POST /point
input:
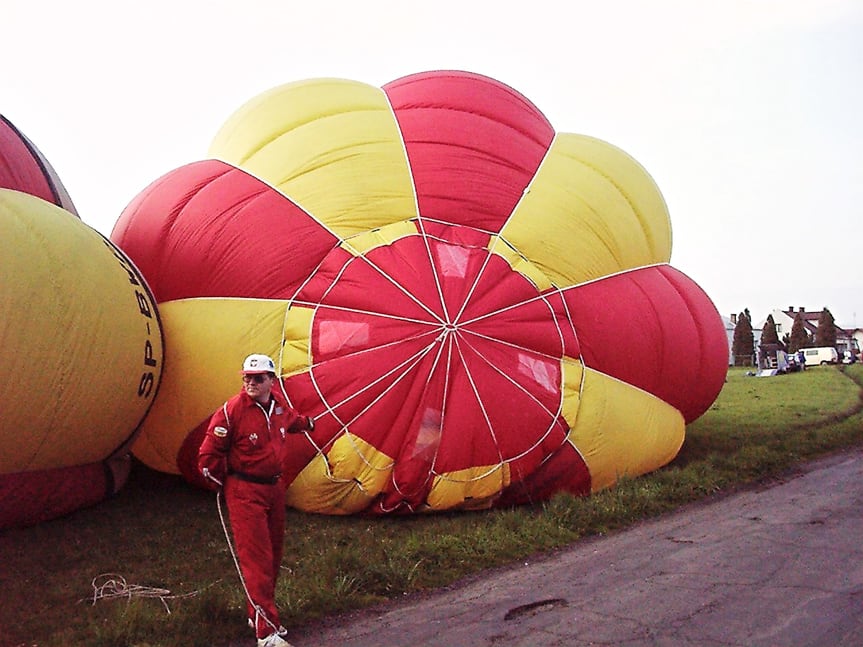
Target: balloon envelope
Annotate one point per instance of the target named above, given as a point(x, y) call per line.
point(23, 167)
point(477, 309)
point(80, 357)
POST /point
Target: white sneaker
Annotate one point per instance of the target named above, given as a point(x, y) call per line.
point(273, 640)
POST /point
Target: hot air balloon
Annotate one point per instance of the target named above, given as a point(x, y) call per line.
point(478, 310)
point(80, 347)
point(23, 167)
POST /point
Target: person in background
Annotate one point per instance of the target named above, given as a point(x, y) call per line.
point(242, 454)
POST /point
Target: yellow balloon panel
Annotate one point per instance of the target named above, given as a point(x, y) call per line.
point(362, 243)
point(475, 488)
point(80, 340)
point(207, 342)
point(591, 211)
point(346, 481)
point(295, 355)
point(519, 263)
point(333, 146)
point(619, 430)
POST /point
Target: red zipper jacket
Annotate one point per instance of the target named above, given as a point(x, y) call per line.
point(247, 437)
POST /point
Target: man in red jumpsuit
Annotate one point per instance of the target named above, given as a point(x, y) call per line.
point(242, 453)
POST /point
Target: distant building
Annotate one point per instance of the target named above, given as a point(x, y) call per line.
point(845, 339)
point(729, 324)
point(784, 320)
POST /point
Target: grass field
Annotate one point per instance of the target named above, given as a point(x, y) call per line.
point(151, 568)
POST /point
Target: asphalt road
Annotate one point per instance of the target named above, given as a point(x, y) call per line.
point(778, 565)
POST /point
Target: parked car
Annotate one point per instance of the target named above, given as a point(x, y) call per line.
point(820, 355)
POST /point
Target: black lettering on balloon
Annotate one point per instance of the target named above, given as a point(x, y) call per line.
point(146, 309)
point(145, 387)
point(143, 304)
point(148, 354)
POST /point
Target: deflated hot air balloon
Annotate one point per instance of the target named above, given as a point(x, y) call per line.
point(80, 347)
point(477, 310)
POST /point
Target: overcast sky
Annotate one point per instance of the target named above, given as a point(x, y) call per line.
point(747, 113)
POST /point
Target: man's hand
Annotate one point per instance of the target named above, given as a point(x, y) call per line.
point(209, 476)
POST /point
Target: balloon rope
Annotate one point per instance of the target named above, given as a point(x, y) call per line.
point(110, 585)
point(401, 288)
point(473, 286)
point(258, 610)
point(425, 238)
point(553, 415)
point(398, 373)
point(482, 407)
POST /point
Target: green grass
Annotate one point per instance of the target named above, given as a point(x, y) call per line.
point(165, 537)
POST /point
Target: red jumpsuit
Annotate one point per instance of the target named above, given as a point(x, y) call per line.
point(243, 449)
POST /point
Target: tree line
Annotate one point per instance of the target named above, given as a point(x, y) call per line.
point(743, 344)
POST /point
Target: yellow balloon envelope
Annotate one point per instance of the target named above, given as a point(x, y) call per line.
point(80, 340)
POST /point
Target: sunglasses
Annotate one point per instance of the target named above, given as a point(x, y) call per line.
point(258, 378)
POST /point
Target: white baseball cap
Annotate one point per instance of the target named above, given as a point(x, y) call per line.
point(258, 364)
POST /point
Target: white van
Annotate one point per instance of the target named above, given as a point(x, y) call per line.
point(821, 355)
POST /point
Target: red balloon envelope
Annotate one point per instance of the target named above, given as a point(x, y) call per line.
point(24, 168)
point(477, 309)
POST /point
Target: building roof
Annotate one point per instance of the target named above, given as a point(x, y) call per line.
point(810, 319)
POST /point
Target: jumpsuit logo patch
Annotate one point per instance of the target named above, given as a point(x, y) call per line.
point(282, 430)
point(220, 432)
point(253, 438)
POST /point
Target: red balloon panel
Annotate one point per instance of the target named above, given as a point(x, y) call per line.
point(656, 329)
point(227, 234)
point(473, 144)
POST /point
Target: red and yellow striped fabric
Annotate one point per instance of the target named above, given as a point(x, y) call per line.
point(477, 310)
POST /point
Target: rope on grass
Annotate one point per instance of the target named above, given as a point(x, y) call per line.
point(107, 586)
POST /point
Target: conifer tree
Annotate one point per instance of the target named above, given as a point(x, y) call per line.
point(798, 338)
point(743, 344)
point(768, 333)
point(769, 343)
point(826, 333)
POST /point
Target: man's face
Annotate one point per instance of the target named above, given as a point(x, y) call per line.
point(258, 385)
